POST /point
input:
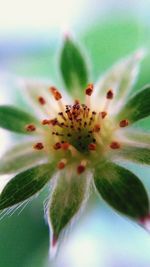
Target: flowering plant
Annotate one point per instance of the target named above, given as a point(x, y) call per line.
point(79, 141)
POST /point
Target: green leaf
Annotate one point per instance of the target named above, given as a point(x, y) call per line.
point(25, 184)
point(122, 190)
point(120, 77)
point(134, 152)
point(67, 199)
point(73, 67)
point(20, 157)
point(15, 120)
point(138, 107)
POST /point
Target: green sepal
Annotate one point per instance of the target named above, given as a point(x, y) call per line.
point(25, 184)
point(122, 190)
point(73, 67)
point(66, 201)
point(137, 107)
point(15, 120)
point(21, 156)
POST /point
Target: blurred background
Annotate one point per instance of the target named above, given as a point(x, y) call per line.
point(30, 37)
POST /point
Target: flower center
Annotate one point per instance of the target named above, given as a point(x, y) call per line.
point(78, 132)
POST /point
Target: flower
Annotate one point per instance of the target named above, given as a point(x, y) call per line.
point(80, 140)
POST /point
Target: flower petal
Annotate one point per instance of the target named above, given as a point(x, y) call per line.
point(25, 184)
point(138, 136)
point(120, 78)
point(20, 157)
point(122, 190)
point(135, 153)
point(15, 120)
point(73, 68)
point(69, 194)
point(138, 107)
point(33, 90)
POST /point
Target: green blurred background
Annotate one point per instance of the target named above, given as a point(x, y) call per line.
point(29, 46)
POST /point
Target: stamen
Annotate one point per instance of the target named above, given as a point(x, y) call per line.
point(73, 151)
point(88, 93)
point(30, 128)
point(114, 145)
point(89, 89)
point(65, 146)
point(92, 147)
point(103, 114)
point(81, 167)
point(109, 97)
point(57, 146)
point(42, 100)
point(110, 94)
point(61, 164)
point(38, 146)
point(123, 123)
point(96, 128)
point(57, 95)
point(46, 122)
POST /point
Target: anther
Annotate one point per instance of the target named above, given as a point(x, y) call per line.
point(46, 122)
point(41, 100)
point(92, 147)
point(103, 114)
point(30, 128)
point(123, 123)
point(114, 145)
point(57, 146)
point(81, 167)
point(38, 146)
point(65, 146)
point(57, 95)
point(96, 128)
point(88, 92)
point(110, 94)
point(61, 165)
point(89, 89)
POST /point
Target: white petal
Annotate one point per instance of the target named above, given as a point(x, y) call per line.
point(120, 78)
point(33, 89)
point(21, 156)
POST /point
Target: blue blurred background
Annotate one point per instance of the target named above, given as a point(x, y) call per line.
point(30, 37)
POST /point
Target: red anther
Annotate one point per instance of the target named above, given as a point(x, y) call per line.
point(110, 94)
point(96, 128)
point(45, 122)
point(61, 165)
point(114, 145)
point(92, 146)
point(80, 169)
point(89, 89)
point(65, 146)
point(57, 146)
point(30, 128)
point(123, 123)
point(57, 95)
point(38, 146)
point(53, 122)
point(103, 114)
point(41, 100)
